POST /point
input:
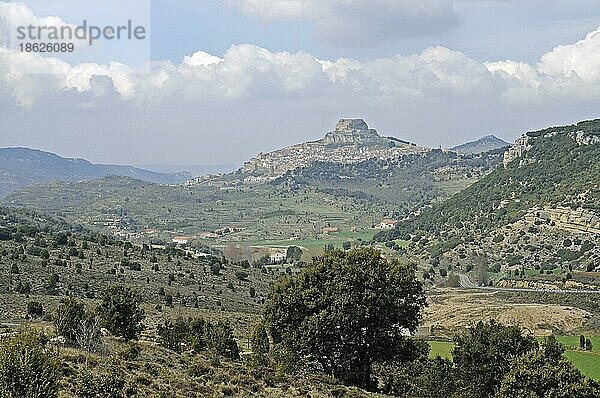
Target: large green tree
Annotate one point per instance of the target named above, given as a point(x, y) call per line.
point(484, 354)
point(544, 373)
point(346, 311)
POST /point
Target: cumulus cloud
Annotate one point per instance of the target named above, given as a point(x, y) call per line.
point(279, 97)
point(13, 15)
point(359, 22)
point(567, 71)
point(247, 72)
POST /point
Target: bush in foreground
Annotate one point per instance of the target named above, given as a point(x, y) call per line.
point(27, 370)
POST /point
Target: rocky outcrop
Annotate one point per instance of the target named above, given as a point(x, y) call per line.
point(516, 151)
point(351, 132)
point(585, 139)
point(579, 220)
point(525, 143)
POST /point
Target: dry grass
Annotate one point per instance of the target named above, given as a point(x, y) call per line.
point(451, 310)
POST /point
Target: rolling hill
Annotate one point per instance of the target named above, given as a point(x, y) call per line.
point(484, 144)
point(20, 167)
point(409, 182)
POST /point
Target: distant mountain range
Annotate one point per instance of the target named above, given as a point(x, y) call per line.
point(352, 141)
point(484, 144)
point(20, 167)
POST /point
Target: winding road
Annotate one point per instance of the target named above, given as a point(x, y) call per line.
point(466, 283)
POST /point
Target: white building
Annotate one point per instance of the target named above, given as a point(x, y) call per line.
point(278, 257)
point(181, 240)
point(386, 224)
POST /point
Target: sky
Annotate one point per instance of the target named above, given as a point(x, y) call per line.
point(218, 81)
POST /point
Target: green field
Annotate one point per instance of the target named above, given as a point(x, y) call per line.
point(315, 246)
point(441, 348)
point(588, 363)
point(311, 247)
point(572, 342)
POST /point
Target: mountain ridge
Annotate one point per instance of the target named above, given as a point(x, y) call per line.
point(547, 193)
point(21, 166)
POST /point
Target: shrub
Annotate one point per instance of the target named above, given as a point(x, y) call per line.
point(23, 288)
point(219, 338)
point(107, 383)
point(35, 309)
point(260, 346)
point(88, 335)
point(52, 284)
point(131, 352)
point(68, 317)
point(424, 377)
point(173, 334)
point(215, 269)
point(120, 312)
point(199, 334)
point(26, 369)
point(498, 238)
point(241, 275)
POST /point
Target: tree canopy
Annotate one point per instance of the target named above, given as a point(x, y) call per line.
point(544, 373)
point(120, 312)
point(483, 355)
point(346, 311)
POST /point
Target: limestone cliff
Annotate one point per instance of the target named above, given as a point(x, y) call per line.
point(351, 131)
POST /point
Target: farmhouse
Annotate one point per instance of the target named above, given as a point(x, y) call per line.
point(181, 240)
point(278, 257)
point(386, 224)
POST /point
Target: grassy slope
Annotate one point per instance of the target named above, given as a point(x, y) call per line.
point(157, 372)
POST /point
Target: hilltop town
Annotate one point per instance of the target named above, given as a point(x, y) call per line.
point(351, 141)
